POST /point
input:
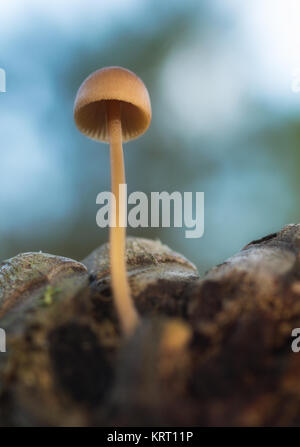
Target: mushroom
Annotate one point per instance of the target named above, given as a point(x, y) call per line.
point(113, 105)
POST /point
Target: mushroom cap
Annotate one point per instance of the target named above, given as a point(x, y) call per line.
point(107, 84)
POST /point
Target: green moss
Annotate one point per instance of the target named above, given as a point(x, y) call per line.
point(50, 295)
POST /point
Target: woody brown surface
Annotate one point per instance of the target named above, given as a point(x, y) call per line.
point(210, 351)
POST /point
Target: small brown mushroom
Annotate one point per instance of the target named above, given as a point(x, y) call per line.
point(113, 105)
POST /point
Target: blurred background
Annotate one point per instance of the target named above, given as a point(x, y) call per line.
point(222, 77)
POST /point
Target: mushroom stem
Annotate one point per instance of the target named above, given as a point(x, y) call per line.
point(120, 287)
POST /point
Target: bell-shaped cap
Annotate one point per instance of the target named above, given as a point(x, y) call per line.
point(107, 84)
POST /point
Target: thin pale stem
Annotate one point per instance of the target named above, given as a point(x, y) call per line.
point(120, 287)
